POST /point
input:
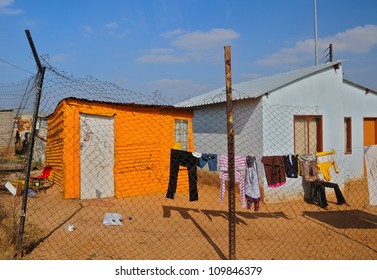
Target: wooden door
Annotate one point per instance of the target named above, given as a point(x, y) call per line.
point(370, 134)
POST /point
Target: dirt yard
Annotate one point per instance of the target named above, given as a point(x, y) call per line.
point(158, 228)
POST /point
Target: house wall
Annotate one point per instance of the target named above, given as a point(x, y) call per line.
point(55, 152)
point(6, 134)
point(265, 125)
point(322, 94)
point(314, 95)
point(210, 132)
point(210, 128)
point(357, 105)
point(325, 94)
point(143, 138)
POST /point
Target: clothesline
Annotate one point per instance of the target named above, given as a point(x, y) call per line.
point(276, 169)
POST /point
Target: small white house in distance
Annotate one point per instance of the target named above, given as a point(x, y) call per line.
point(304, 111)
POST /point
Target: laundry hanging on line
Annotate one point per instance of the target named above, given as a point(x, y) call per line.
point(187, 159)
point(326, 161)
point(252, 189)
point(291, 166)
point(274, 170)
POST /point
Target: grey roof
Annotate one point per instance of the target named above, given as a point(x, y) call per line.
point(367, 90)
point(256, 87)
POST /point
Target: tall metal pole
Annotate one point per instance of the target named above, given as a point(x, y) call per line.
point(33, 49)
point(41, 72)
point(315, 33)
point(231, 164)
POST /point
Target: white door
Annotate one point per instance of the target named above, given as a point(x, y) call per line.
point(96, 156)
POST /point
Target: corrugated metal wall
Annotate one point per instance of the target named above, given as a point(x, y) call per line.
point(144, 136)
point(55, 145)
point(6, 135)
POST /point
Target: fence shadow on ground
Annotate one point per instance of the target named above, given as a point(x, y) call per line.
point(348, 219)
point(36, 244)
point(210, 214)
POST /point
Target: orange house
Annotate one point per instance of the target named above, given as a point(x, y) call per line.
point(103, 149)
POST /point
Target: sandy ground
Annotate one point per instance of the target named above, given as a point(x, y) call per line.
point(154, 227)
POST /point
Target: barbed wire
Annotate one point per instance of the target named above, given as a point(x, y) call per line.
point(147, 201)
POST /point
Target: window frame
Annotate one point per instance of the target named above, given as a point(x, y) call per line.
point(179, 142)
point(319, 132)
point(347, 135)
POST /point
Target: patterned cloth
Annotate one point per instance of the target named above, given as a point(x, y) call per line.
point(308, 166)
point(240, 167)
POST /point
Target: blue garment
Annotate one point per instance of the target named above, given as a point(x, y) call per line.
point(291, 166)
point(211, 159)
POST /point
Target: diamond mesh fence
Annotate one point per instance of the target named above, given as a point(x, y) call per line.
point(134, 177)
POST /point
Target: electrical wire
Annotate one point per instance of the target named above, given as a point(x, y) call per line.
point(15, 66)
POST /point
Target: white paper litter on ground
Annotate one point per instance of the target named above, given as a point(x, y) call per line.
point(112, 219)
point(11, 188)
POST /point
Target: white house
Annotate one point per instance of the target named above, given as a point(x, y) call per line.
point(303, 111)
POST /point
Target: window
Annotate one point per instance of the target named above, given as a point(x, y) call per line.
point(181, 135)
point(307, 134)
point(348, 135)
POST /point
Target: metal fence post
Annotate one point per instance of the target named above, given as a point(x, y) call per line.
point(41, 72)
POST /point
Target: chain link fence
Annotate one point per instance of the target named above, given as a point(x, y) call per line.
point(134, 177)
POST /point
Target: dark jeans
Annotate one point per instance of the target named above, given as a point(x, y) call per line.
point(318, 194)
point(183, 158)
point(211, 159)
point(317, 191)
point(338, 193)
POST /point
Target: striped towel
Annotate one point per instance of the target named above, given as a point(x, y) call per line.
point(240, 167)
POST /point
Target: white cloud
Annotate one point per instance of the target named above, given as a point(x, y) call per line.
point(115, 31)
point(356, 40)
point(173, 33)
point(111, 25)
point(5, 10)
point(162, 58)
point(161, 51)
point(189, 46)
point(161, 55)
point(178, 90)
point(205, 40)
point(4, 3)
point(359, 39)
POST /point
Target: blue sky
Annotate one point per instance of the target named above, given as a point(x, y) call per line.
point(177, 46)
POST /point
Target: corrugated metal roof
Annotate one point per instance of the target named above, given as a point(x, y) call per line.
point(136, 105)
point(367, 90)
point(256, 87)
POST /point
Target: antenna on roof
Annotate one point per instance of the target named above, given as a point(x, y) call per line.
point(315, 33)
point(329, 56)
